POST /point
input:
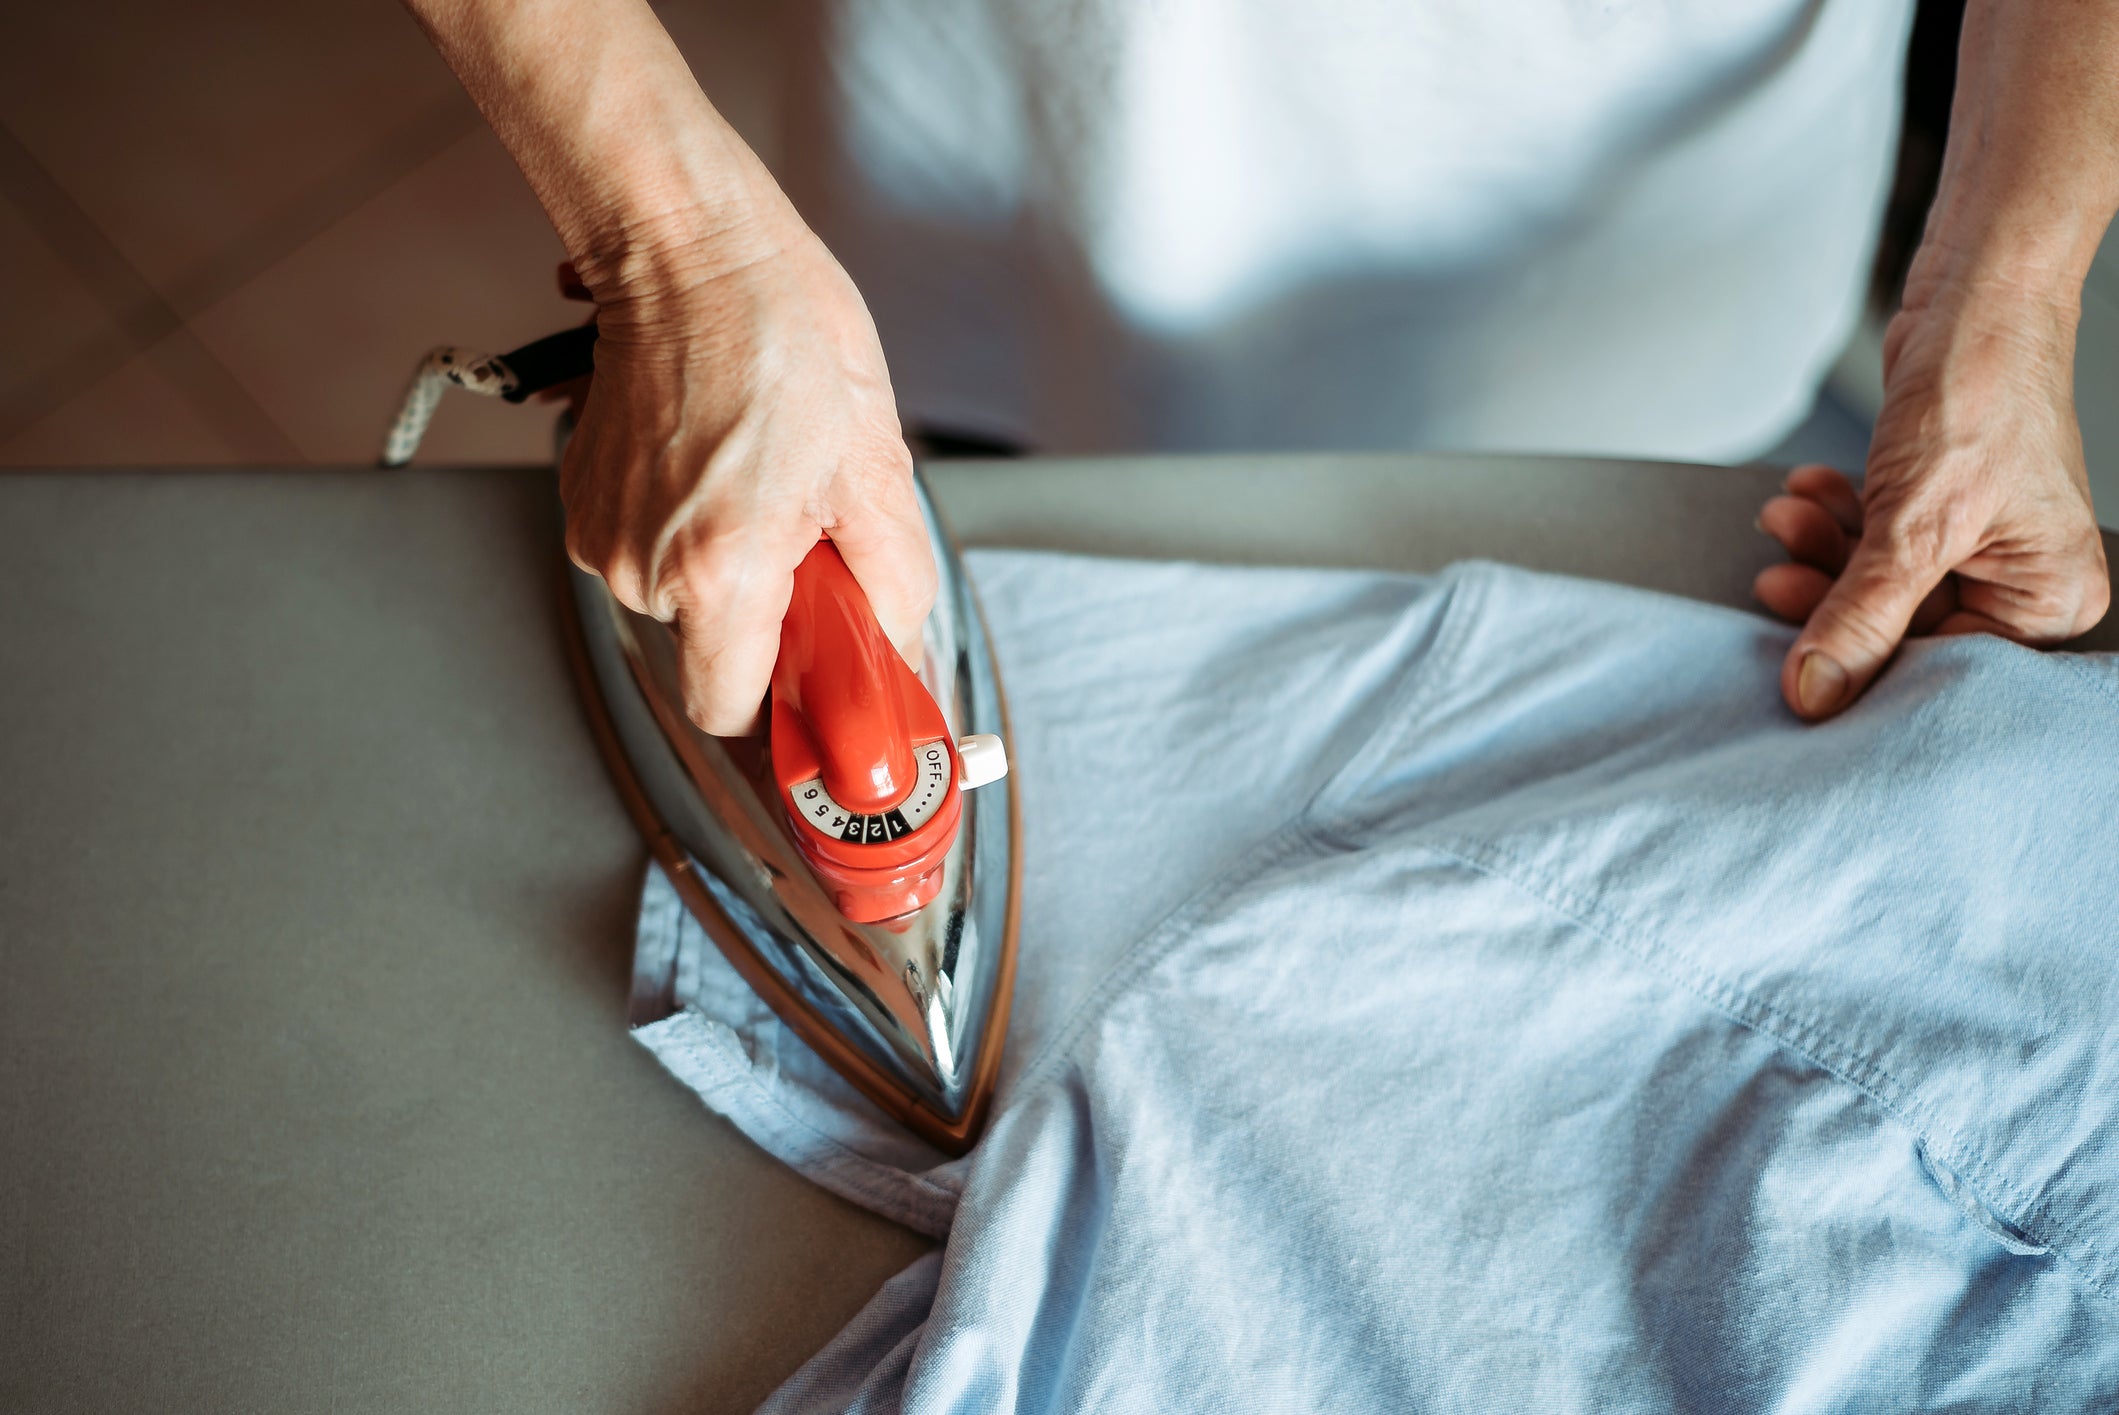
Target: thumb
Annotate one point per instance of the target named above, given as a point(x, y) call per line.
point(1859, 624)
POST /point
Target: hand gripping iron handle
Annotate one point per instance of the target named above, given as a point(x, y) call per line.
point(871, 781)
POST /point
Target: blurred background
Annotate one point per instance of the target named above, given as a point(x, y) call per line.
point(228, 231)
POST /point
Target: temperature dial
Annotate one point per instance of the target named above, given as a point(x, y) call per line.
point(815, 805)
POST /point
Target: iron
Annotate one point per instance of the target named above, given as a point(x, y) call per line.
point(840, 860)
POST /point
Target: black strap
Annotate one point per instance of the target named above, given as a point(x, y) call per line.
point(551, 360)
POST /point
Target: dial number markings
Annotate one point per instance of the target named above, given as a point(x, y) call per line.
point(931, 787)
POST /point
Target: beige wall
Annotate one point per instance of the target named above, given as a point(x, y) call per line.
point(229, 230)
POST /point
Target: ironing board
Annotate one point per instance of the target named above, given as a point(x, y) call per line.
point(315, 911)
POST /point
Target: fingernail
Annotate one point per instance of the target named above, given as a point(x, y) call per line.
point(1758, 523)
point(1819, 684)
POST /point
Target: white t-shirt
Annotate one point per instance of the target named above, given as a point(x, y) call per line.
point(1601, 226)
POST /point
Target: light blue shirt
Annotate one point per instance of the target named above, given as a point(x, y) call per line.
point(1478, 993)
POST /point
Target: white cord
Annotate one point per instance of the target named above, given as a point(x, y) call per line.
point(488, 374)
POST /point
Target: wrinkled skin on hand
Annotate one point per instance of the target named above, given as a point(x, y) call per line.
point(1974, 515)
point(732, 420)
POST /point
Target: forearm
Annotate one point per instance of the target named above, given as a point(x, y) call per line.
point(2031, 176)
point(643, 180)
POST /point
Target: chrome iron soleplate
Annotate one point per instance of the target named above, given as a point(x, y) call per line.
point(914, 1016)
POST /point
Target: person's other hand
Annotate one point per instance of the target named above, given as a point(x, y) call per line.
point(1975, 512)
point(740, 410)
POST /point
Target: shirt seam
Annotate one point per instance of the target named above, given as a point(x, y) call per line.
point(836, 1155)
point(1410, 702)
point(1421, 681)
point(2100, 683)
point(1802, 1036)
point(1276, 849)
point(830, 1155)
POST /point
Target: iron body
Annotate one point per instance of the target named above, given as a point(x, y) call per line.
point(913, 1011)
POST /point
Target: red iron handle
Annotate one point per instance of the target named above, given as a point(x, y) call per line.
point(840, 674)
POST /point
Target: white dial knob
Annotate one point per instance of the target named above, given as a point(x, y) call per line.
point(981, 757)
